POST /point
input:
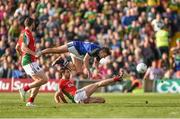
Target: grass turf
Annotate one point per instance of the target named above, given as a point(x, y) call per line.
point(117, 105)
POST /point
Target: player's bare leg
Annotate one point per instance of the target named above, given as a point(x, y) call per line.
point(90, 89)
point(34, 92)
point(39, 79)
point(94, 100)
point(78, 64)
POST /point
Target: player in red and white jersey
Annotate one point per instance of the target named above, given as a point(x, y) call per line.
point(83, 95)
point(27, 52)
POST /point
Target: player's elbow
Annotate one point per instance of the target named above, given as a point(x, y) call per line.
point(17, 47)
point(85, 60)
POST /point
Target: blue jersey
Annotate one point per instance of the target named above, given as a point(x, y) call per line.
point(86, 47)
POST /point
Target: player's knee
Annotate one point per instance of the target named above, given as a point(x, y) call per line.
point(44, 80)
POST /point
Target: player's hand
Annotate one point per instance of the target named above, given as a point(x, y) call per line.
point(119, 77)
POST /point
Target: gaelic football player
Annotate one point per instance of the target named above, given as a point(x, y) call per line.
point(80, 53)
point(83, 95)
point(27, 52)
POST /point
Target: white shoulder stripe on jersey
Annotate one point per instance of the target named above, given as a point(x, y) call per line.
point(27, 39)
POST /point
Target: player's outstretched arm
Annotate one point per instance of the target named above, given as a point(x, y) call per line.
point(86, 63)
point(55, 50)
point(49, 50)
point(86, 60)
point(58, 97)
point(63, 98)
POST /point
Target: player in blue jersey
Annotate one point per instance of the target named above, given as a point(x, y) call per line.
point(80, 52)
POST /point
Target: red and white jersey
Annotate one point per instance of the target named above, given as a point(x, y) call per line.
point(27, 38)
point(68, 87)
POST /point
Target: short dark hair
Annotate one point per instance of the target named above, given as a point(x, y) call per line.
point(63, 69)
point(29, 21)
point(107, 50)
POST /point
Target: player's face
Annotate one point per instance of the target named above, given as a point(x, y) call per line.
point(33, 26)
point(102, 54)
point(67, 74)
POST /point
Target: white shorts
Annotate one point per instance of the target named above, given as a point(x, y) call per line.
point(73, 51)
point(80, 96)
point(32, 68)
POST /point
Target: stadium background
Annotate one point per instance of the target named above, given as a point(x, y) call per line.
point(128, 27)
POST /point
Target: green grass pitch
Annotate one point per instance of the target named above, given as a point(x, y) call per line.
point(117, 105)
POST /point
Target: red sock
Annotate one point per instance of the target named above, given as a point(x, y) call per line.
point(26, 88)
point(31, 99)
point(116, 78)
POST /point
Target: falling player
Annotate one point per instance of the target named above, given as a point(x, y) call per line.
point(80, 52)
point(83, 95)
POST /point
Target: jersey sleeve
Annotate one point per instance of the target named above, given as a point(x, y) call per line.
point(61, 85)
point(94, 52)
point(25, 38)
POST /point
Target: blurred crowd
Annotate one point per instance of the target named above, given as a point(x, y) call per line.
point(136, 31)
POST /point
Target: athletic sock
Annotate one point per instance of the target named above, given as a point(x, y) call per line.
point(26, 88)
point(31, 99)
